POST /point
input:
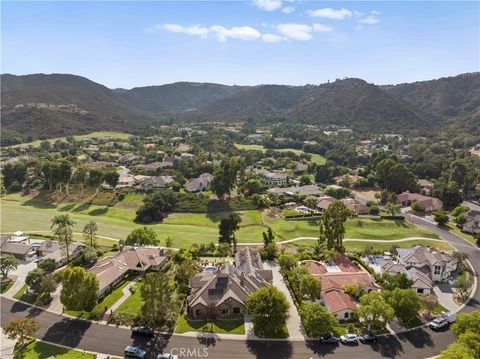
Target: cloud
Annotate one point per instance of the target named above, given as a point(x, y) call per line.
point(272, 38)
point(331, 14)
point(321, 28)
point(375, 12)
point(268, 5)
point(240, 33)
point(369, 20)
point(194, 30)
point(288, 9)
point(298, 32)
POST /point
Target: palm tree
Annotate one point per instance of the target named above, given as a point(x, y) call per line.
point(62, 227)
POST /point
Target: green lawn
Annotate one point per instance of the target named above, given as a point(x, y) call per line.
point(107, 302)
point(23, 296)
point(99, 134)
point(6, 286)
point(41, 350)
point(235, 326)
point(453, 228)
point(133, 304)
point(34, 216)
point(319, 160)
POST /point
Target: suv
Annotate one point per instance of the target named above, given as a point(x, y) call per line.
point(438, 323)
point(367, 338)
point(349, 339)
point(134, 352)
point(143, 330)
point(329, 339)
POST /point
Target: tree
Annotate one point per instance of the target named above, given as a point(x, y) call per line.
point(441, 218)
point(225, 178)
point(287, 262)
point(156, 206)
point(466, 329)
point(397, 280)
point(462, 285)
point(223, 249)
point(183, 273)
point(375, 312)
point(80, 289)
point(459, 210)
point(15, 172)
point(405, 302)
point(227, 228)
point(158, 297)
point(430, 303)
point(268, 308)
point(48, 265)
point(143, 236)
point(7, 264)
point(268, 237)
point(254, 186)
point(90, 233)
point(269, 252)
point(392, 208)
point(20, 329)
point(332, 228)
point(355, 291)
point(168, 242)
point(95, 178)
point(62, 227)
point(310, 286)
point(89, 257)
point(305, 180)
point(111, 178)
point(34, 279)
point(317, 320)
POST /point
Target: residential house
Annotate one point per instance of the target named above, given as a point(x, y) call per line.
point(20, 250)
point(324, 202)
point(152, 182)
point(101, 164)
point(307, 190)
point(112, 270)
point(354, 206)
point(229, 288)
point(428, 204)
point(347, 180)
point(201, 183)
point(438, 266)
point(426, 186)
point(52, 249)
point(422, 283)
point(275, 179)
point(255, 138)
point(155, 167)
point(472, 224)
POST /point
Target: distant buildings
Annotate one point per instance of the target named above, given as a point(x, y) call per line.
point(428, 204)
point(275, 179)
point(201, 183)
point(472, 222)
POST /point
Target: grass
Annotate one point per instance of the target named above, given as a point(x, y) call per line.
point(6, 286)
point(99, 134)
point(33, 215)
point(280, 334)
point(466, 236)
point(134, 303)
point(106, 302)
point(319, 160)
point(234, 326)
point(42, 350)
point(23, 296)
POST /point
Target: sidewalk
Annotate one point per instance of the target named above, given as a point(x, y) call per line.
point(6, 346)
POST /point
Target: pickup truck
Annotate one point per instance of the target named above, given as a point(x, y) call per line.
point(443, 321)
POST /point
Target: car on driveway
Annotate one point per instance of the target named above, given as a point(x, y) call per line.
point(349, 339)
point(142, 330)
point(329, 339)
point(443, 321)
point(367, 338)
point(167, 356)
point(134, 353)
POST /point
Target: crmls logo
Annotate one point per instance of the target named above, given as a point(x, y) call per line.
point(190, 352)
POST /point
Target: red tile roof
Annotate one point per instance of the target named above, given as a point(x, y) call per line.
point(315, 269)
point(338, 280)
point(336, 301)
point(345, 264)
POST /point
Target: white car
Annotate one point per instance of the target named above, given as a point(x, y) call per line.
point(349, 339)
point(438, 323)
point(167, 356)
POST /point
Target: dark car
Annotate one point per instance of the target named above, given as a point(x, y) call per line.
point(143, 330)
point(329, 339)
point(367, 338)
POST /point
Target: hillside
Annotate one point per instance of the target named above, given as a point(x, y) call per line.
point(42, 105)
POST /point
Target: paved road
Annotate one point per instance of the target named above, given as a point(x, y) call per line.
point(420, 343)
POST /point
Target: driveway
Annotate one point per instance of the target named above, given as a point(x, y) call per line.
point(294, 323)
point(20, 274)
point(444, 293)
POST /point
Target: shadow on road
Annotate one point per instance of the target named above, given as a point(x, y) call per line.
point(67, 332)
point(208, 340)
point(388, 348)
point(277, 350)
point(321, 349)
point(419, 338)
point(153, 346)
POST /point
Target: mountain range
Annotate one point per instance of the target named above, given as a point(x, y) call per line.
point(41, 105)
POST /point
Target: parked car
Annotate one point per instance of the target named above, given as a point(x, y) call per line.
point(349, 339)
point(134, 352)
point(367, 338)
point(143, 330)
point(167, 356)
point(443, 321)
point(329, 339)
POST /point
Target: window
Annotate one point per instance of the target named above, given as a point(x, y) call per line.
point(420, 290)
point(236, 310)
point(224, 311)
point(198, 312)
point(345, 315)
point(438, 270)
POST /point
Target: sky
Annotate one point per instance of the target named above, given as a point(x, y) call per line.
point(130, 44)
